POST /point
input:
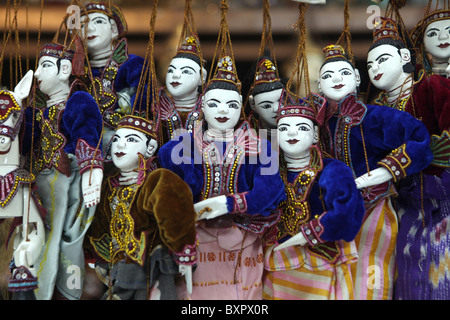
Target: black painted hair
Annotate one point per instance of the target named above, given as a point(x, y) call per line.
point(222, 85)
point(409, 67)
point(267, 87)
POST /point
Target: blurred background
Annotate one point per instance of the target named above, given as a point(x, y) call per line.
point(245, 19)
point(39, 20)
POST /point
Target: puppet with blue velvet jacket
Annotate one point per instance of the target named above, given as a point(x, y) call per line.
point(236, 186)
point(309, 251)
point(115, 72)
point(66, 156)
point(381, 146)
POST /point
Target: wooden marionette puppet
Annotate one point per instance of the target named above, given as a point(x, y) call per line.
point(179, 99)
point(235, 186)
point(144, 230)
point(303, 233)
point(431, 36)
point(19, 200)
point(111, 75)
point(423, 198)
point(318, 221)
point(66, 132)
point(382, 146)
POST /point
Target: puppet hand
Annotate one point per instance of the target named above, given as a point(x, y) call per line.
point(211, 208)
point(124, 102)
point(186, 271)
point(376, 177)
point(297, 240)
point(91, 182)
point(28, 251)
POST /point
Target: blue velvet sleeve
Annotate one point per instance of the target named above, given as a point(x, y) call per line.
point(343, 202)
point(389, 129)
point(128, 76)
point(261, 182)
point(178, 155)
point(82, 120)
point(129, 73)
point(31, 131)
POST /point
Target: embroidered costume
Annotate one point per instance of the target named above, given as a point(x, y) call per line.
point(143, 231)
point(176, 119)
point(107, 80)
point(68, 135)
point(366, 137)
point(173, 121)
point(230, 250)
point(324, 205)
point(424, 199)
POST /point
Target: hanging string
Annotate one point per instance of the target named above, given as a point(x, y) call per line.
point(189, 29)
point(393, 12)
point(148, 73)
point(266, 44)
point(266, 37)
point(346, 37)
point(300, 73)
point(224, 39)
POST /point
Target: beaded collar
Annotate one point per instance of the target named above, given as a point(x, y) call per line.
point(173, 118)
point(102, 88)
point(9, 184)
point(221, 169)
point(51, 152)
point(296, 209)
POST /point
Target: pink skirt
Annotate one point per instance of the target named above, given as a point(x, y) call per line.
point(229, 266)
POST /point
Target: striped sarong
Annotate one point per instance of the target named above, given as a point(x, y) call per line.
point(295, 273)
point(373, 273)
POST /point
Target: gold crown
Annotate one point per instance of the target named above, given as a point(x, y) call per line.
point(385, 28)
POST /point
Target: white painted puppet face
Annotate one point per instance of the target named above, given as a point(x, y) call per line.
point(183, 78)
point(436, 40)
point(385, 66)
point(125, 146)
point(49, 77)
point(101, 30)
point(266, 105)
point(296, 135)
point(337, 79)
point(222, 109)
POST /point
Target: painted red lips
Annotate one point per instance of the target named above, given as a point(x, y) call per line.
point(222, 119)
point(378, 76)
point(292, 141)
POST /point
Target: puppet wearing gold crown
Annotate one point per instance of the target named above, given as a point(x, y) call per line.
point(306, 229)
point(234, 192)
point(68, 164)
point(145, 224)
point(350, 131)
point(179, 99)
